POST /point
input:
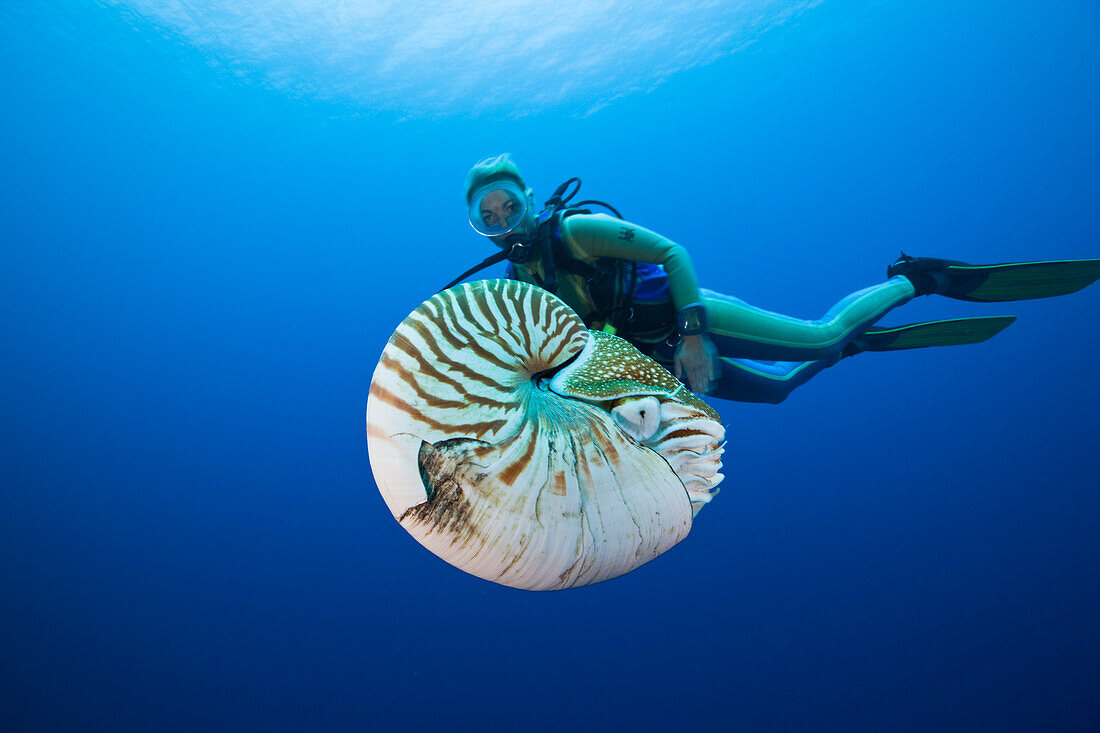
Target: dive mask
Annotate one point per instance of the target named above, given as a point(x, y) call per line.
point(497, 208)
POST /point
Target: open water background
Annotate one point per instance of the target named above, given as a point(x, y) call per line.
point(198, 273)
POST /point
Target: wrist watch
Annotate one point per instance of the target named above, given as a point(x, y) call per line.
point(692, 319)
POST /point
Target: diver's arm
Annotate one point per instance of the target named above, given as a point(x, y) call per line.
point(599, 235)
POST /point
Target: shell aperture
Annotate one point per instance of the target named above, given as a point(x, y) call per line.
point(523, 448)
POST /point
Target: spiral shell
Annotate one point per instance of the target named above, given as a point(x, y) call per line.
point(523, 448)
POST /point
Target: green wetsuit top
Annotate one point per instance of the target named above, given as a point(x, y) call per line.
point(591, 237)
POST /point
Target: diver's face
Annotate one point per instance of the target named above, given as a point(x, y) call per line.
point(498, 208)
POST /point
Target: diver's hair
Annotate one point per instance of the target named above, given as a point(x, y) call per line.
point(498, 168)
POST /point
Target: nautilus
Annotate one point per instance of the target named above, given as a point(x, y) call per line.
point(523, 448)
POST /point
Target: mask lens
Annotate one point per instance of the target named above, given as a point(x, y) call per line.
point(497, 208)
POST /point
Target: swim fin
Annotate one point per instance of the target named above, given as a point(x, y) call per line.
point(952, 332)
point(993, 283)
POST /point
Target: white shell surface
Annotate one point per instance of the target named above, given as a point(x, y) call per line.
point(482, 460)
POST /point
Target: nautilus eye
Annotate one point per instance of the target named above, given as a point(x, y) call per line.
point(525, 449)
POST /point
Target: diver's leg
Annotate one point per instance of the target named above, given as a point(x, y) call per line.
point(740, 330)
point(745, 380)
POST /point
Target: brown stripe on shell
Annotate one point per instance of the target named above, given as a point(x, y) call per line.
point(409, 348)
point(437, 317)
point(509, 474)
point(515, 307)
point(410, 378)
point(559, 484)
point(685, 433)
point(480, 429)
point(527, 327)
point(563, 326)
point(472, 342)
point(558, 327)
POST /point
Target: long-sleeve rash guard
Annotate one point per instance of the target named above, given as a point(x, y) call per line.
point(591, 237)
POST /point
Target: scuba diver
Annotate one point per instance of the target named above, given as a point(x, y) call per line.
point(629, 281)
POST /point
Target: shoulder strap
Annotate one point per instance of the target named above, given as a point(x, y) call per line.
point(610, 282)
point(563, 258)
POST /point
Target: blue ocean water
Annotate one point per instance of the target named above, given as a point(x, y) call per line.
point(202, 262)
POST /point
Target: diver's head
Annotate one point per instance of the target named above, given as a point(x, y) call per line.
point(501, 206)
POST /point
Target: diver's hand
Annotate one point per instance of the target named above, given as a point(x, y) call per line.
point(696, 363)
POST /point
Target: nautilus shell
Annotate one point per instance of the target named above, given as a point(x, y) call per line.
point(523, 448)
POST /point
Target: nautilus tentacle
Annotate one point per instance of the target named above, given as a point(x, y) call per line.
point(524, 449)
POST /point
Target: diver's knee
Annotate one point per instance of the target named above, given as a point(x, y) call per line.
point(776, 398)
